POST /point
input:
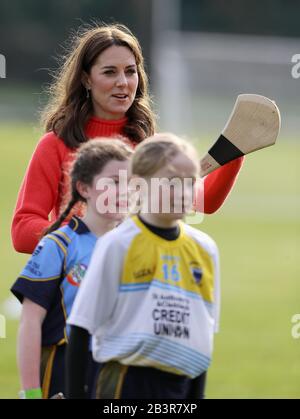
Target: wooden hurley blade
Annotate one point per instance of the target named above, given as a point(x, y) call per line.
point(253, 124)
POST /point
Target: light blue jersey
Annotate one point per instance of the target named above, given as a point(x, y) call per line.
point(53, 274)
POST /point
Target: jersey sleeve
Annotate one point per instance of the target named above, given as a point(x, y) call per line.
point(217, 288)
point(218, 184)
point(211, 247)
point(38, 194)
point(41, 277)
point(98, 293)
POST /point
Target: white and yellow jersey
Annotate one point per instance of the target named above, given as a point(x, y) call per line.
point(149, 301)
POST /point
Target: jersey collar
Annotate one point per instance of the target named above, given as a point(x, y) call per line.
point(158, 239)
point(77, 225)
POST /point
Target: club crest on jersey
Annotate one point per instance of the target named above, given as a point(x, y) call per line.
point(76, 274)
point(197, 273)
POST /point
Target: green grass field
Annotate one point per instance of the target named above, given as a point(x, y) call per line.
point(258, 233)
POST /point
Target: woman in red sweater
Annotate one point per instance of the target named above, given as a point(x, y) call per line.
point(100, 91)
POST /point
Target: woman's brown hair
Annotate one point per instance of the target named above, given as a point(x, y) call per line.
point(90, 161)
point(69, 109)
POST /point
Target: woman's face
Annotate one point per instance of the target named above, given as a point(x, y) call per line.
point(113, 81)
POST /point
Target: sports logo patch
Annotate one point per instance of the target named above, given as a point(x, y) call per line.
point(197, 273)
point(76, 274)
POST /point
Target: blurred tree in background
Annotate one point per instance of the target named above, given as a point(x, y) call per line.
point(259, 17)
point(32, 32)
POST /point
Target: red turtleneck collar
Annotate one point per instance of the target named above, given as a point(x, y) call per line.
point(97, 127)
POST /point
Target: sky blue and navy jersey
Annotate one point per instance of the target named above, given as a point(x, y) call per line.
point(53, 274)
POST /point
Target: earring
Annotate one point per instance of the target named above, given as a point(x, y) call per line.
point(87, 93)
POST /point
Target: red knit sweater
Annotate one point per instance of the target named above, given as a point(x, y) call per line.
point(45, 184)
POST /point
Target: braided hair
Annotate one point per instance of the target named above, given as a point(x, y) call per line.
point(90, 160)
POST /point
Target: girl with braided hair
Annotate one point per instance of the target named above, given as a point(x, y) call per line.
point(49, 283)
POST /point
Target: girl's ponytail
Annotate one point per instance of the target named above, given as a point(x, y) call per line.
point(75, 198)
